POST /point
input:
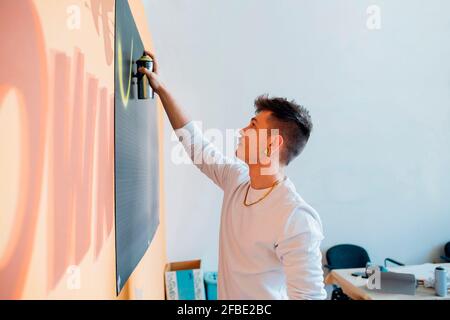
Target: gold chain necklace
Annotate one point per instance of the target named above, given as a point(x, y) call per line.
point(264, 196)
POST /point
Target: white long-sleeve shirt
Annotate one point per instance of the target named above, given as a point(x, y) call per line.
point(270, 250)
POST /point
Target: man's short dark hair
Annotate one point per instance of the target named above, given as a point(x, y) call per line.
point(291, 119)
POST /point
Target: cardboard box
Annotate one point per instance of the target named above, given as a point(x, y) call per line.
point(184, 281)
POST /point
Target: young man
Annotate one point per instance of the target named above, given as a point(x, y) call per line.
point(269, 236)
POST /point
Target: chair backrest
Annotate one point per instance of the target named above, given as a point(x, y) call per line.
point(447, 249)
point(347, 256)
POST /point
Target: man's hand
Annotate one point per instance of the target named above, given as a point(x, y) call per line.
point(152, 76)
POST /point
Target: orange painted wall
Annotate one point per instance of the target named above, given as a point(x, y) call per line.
point(57, 154)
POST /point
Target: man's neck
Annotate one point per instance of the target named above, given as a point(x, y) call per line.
point(263, 181)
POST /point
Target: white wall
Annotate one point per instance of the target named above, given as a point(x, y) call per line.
point(377, 165)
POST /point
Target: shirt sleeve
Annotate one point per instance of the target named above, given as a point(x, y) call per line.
point(205, 156)
point(299, 251)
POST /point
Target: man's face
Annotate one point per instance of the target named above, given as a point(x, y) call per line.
point(254, 140)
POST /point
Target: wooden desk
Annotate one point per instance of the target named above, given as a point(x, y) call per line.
point(356, 287)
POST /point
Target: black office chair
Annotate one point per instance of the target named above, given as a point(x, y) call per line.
point(344, 256)
point(446, 258)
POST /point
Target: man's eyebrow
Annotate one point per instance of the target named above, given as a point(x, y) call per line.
point(254, 119)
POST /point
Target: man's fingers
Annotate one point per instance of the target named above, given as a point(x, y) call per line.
point(144, 70)
point(155, 64)
point(149, 54)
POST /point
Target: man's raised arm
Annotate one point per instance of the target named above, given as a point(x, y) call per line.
point(175, 113)
point(203, 153)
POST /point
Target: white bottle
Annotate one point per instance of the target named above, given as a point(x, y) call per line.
point(440, 281)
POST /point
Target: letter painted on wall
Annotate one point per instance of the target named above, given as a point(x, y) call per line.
point(56, 148)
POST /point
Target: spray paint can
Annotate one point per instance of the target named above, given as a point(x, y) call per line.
point(142, 80)
point(440, 281)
